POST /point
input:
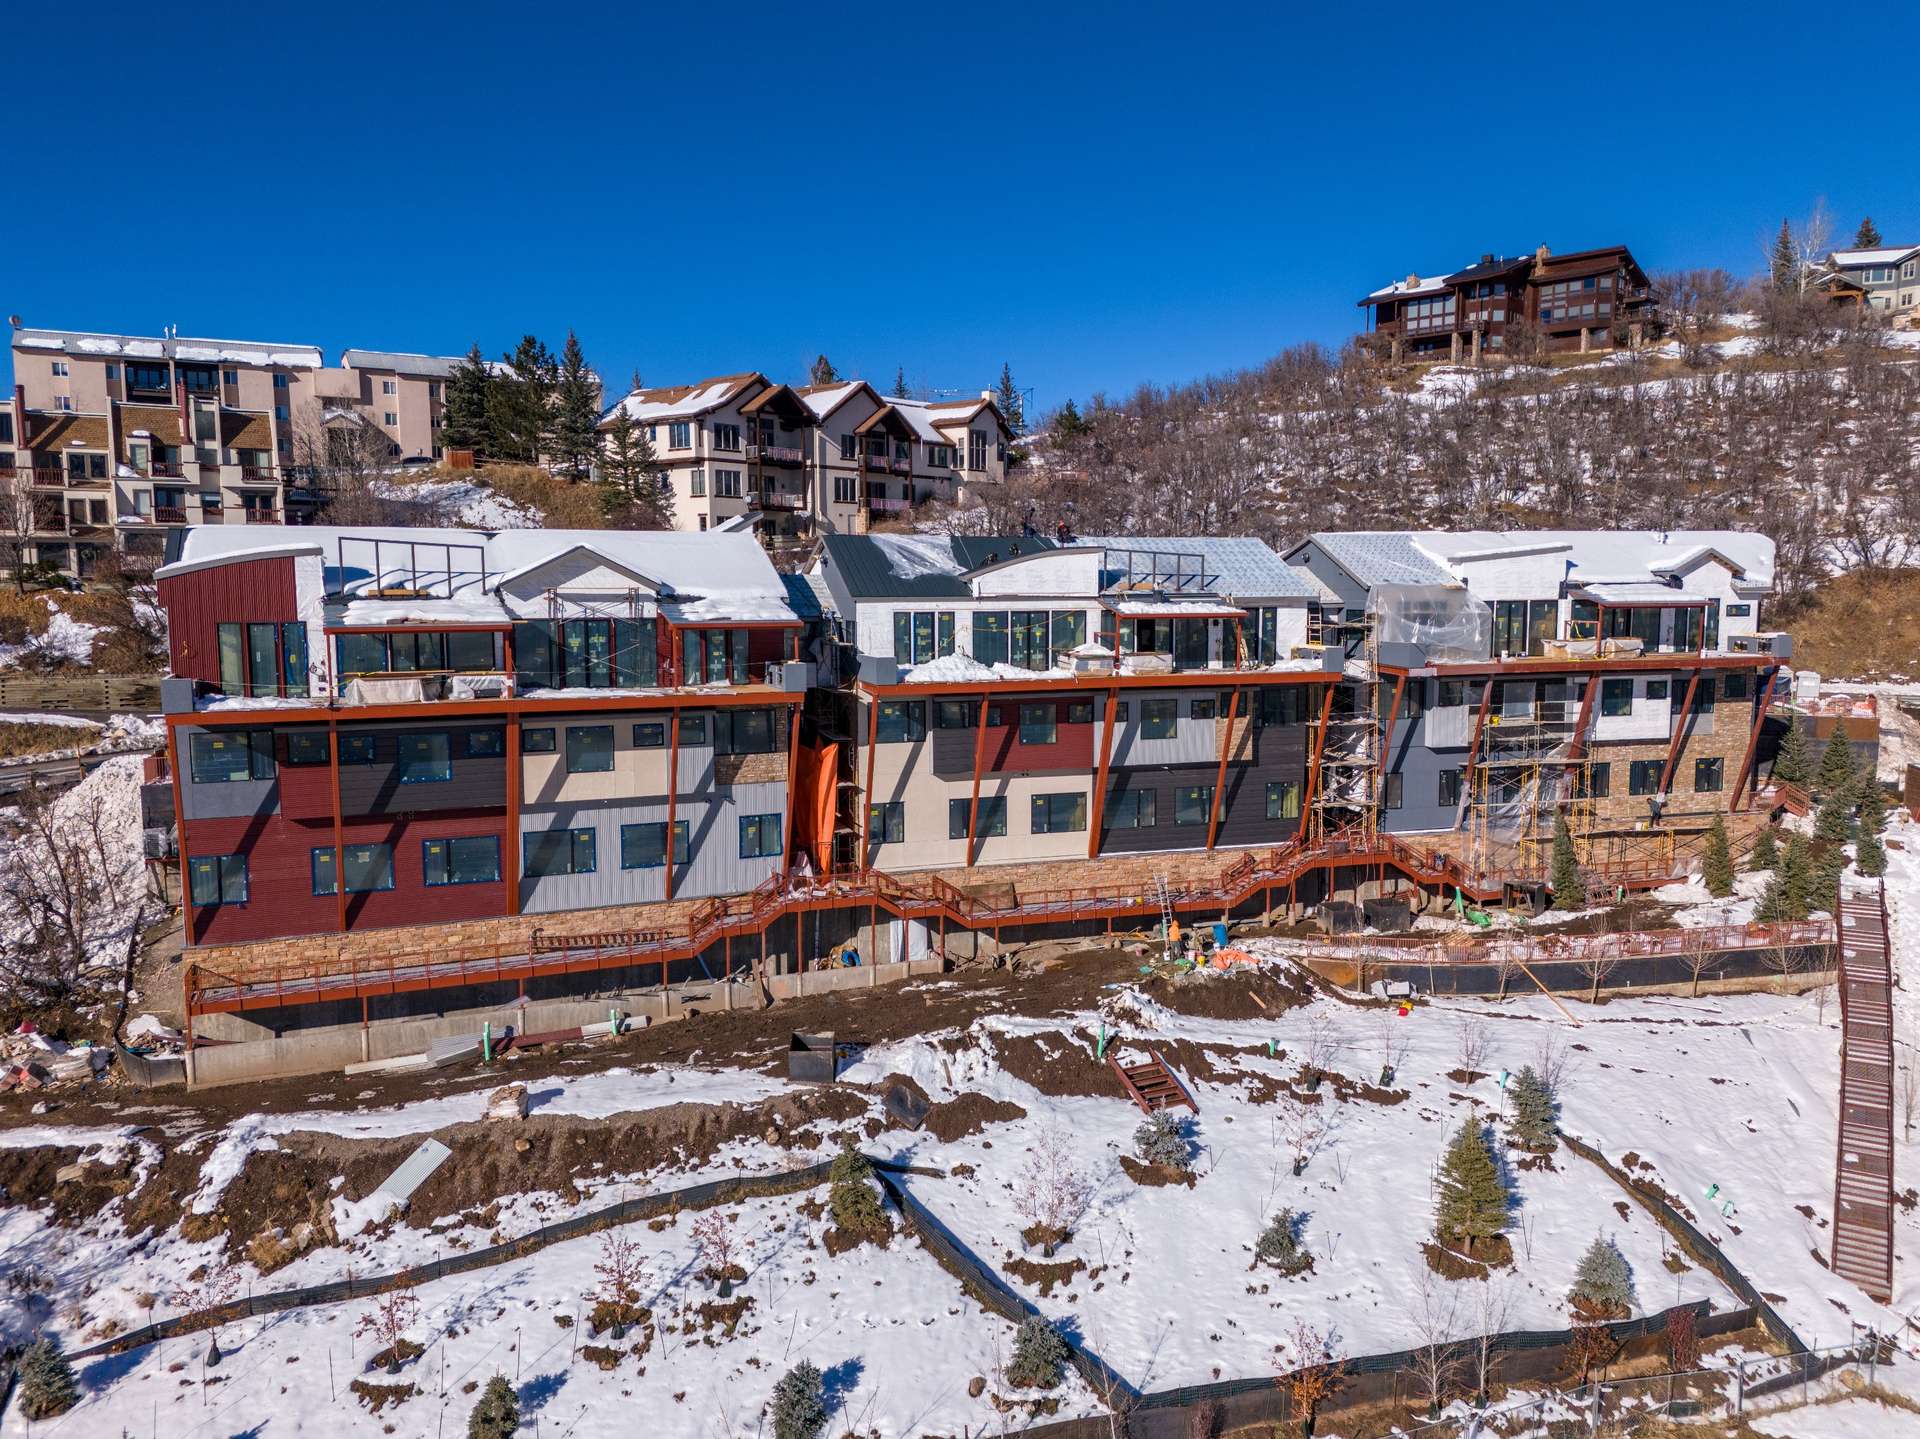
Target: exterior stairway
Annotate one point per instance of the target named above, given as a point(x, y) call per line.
point(1863, 1165)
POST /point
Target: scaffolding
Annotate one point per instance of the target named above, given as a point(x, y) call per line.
point(1347, 737)
point(1532, 764)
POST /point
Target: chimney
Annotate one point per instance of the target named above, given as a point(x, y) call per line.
point(986, 394)
point(1486, 259)
point(1412, 282)
point(1541, 255)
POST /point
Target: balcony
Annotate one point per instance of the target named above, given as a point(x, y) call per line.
point(165, 470)
point(169, 515)
point(777, 454)
point(258, 475)
point(52, 477)
point(419, 686)
point(886, 505)
point(261, 516)
point(783, 500)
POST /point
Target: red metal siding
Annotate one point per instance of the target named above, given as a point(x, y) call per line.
point(1072, 748)
point(198, 603)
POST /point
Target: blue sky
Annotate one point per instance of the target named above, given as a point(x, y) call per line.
point(1098, 194)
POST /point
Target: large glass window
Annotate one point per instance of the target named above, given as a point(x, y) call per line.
point(993, 816)
point(1159, 719)
point(1132, 809)
point(1038, 724)
point(1709, 774)
point(1643, 776)
point(325, 873)
point(471, 859)
point(1283, 798)
point(761, 836)
point(644, 845)
point(263, 659)
point(536, 741)
point(955, 714)
point(901, 722)
point(751, 731)
point(367, 868)
point(1069, 630)
point(990, 637)
point(227, 757)
point(1616, 697)
point(589, 749)
point(558, 851)
point(307, 747)
point(1449, 795)
point(887, 822)
point(1191, 803)
point(1058, 813)
point(922, 635)
point(218, 878)
point(486, 743)
point(416, 653)
point(423, 758)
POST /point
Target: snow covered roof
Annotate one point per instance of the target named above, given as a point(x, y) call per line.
point(1884, 255)
point(1248, 569)
point(1640, 594)
point(682, 402)
point(704, 578)
point(435, 367)
point(1382, 557)
point(464, 609)
point(239, 352)
point(1175, 607)
point(823, 400)
point(1412, 285)
point(1390, 557)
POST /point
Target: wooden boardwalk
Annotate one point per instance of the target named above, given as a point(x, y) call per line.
point(1863, 1165)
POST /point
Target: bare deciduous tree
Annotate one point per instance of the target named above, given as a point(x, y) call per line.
point(1053, 1191)
point(1492, 1310)
point(63, 881)
point(386, 1322)
point(1473, 1044)
point(1433, 1313)
point(1697, 955)
point(342, 454)
point(1784, 960)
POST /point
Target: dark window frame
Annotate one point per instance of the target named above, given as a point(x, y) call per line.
point(448, 867)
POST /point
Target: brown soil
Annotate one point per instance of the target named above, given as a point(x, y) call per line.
point(838, 1241)
point(378, 1396)
point(1058, 1065)
point(1241, 993)
point(969, 1114)
point(1155, 1176)
point(1489, 1254)
point(27, 1178)
point(1041, 1275)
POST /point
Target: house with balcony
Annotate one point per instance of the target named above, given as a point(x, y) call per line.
point(1580, 301)
point(372, 728)
point(1503, 679)
point(1023, 699)
point(879, 457)
point(1885, 278)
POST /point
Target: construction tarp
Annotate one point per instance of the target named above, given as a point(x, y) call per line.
point(816, 770)
point(1445, 622)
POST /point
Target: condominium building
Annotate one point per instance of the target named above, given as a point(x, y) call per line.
point(820, 458)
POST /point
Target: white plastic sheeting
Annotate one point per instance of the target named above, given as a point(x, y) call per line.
point(1444, 621)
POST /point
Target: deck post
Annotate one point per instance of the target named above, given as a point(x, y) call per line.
point(793, 777)
point(1307, 825)
point(1753, 744)
point(510, 861)
point(1679, 734)
point(1473, 749)
point(673, 800)
point(339, 827)
point(866, 795)
point(1220, 774)
point(979, 756)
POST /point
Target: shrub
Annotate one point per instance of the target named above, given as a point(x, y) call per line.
point(1603, 1284)
point(497, 1415)
point(47, 1386)
point(1038, 1353)
point(852, 1199)
point(799, 1403)
point(1717, 866)
point(1535, 1113)
point(1162, 1140)
point(1279, 1244)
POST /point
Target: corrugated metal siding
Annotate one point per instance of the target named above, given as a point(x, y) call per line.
point(247, 591)
point(1279, 753)
point(478, 782)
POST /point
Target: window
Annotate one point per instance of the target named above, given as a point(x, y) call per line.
point(1643, 777)
point(558, 851)
point(902, 722)
point(993, 816)
point(389, 418)
point(1283, 799)
point(1201, 709)
point(847, 447)
point(486, 743)
point(263, 659)
point(1394, 793)
point(976, 449)
point(423, 758)
point(230, 757)
point(229, 377)
point(887, 822)
point(280, 382)
point(761, 836)
point(1191, 803)
point(726, 484)
point(844, 489)
point(389, 387)
point(1158, 718)
point(1452, 694)
point(1657, 689)
point(63, 403)
point(680, 435)
point(1739, 612)
point(726, 437)
point(536, 741)
point(1038, 724)
point(1449, 796)
point(940, 457)
point(990, 637)
point(59, 368)
point(652, 734)
point(1069, 632)
point(1708, 775)
point(1616, 698)
point(922, 635)
point(367, 868)
point(1735, 686)
point(307, 747)
point(1132, 809)
point(218, 878)
point(148, 377)
point(644, 846)
point(356, 749)
point(751, 731)
point(693, 731)
point(589, 749)
point(471, 860)
point(1058, 814)
point(324, 873)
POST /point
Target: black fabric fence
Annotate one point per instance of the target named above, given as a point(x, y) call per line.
point(732, 1190)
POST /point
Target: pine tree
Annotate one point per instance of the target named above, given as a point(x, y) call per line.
point(900, 382)
point(851, 1198)
point(1569, 889)
point(520, 403)
point(1535, 1113)
point(800, 1403)
point(47, 1385)
point(1772, 905)
point(1867, 237)
point(1162, 1140)
point(1833, 820)
point(1869, 854)
point(634, 494)
point(1716, 866)
point(1038, 1353)
point(463, 425)
point(1279, 1244)
point(1006, 396)
point(1783, 264)
point(1872, 802)
point(575, 438)
point(1836, 772)
point(1796, 879)
point(1823, 890)
point(1068, 424)
point(1766, 851)
point(497, 1415)
point(822, 372)
point(1794, 763)
point(1473, 1200)
point(1603, 1284)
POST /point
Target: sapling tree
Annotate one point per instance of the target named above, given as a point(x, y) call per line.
point(201, 1299)
point(1279, 1245)
point(717, 1243)
point(1392, 1044)
point(1471, 1199)
point(1038, 1355)
point(1303, 1127)
point(1492, 1308)
point(47, 1385)
point(799, 1403)
point(497, 1414)
point(1785, 959)
point(1318, 1369)
point(1603, 1283)
point(1765, 853)
point(1473, 1043)
point(1433, 1313)
point(1697, 954)
point(622, 1268)
point(1053, 1192)
point(1569, 888)
point(1716, 867)
point(1553, 1061)
point(1323, 1046)
point(386, 1322)
point(1162, 1139)
point(1534, 1123)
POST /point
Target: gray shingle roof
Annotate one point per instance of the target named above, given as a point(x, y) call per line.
point(1248, 569)
point(1382, 557)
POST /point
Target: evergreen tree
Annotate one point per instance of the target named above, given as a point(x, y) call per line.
point(497, 1415)
point(574, 444)
point(1867, 237)
point(1006, 396)
point(1535, 1113)
point(1162, 1140)
point(900, 383)
point(1870, 855)
point(823, 372)
point(1068, 423)
point(1766, 851)
point(1823, 891)
point(1603, 1284)
point(1872, 802)
point(634, 494)
point(520, 404)
point(1473, 1200)
point(1569, 889)
point(1836, 772)
point(1783, 264)
point(851, 1198)
point(1772, 905)
point(1796, 879)
point(463, 424)
point(1279, 1244)
point(1717, 865)
point(47, 1384)
point(1038, 1354)
point(1794, 763)
point(800, 1403)
point(1833, 820)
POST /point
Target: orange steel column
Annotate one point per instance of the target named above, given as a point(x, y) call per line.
point(1313, 765)
point(979, 755)
point(1753, 742)
point(793, 775)
point(866, 795)
point(339, 827)
point(1386, 732)
point(1679, 733)
point(673, 797)
point(1220, 775)
point(180, 829)
point(1578, 749)
point(510, 861)
point(1100, 777)
point(1473, 749)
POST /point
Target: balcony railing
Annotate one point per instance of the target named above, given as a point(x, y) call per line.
point(169, 515)
point(409, 686)
point(262, 516)
point(777, 454)
point(783, 500)
point(165, 470)
point(886, 504)
point(52, 477)
point(258, 474)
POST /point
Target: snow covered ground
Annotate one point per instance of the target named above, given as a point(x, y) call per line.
point(465, 503)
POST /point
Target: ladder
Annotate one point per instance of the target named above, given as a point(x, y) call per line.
point(1166, 913)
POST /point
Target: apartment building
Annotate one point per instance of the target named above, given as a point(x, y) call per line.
point(372, 728)
point(1021, 699)
point(1885, 278)
point(829, 458)
point(1618, 677)
point(1584, 300)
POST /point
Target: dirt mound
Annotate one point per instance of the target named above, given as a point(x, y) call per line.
point(28, 1178)
point(1056, 1064)
point(969, 1114)
point(1244, 992)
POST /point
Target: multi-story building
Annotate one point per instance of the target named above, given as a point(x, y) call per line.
point(1586, 300)
point(1884, 278)
point(1618, 678)
point(405, 395)
point(830, 458)
point(397, 727)
point(1021, 699)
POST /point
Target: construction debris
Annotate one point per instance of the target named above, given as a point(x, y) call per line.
point(508, 1102)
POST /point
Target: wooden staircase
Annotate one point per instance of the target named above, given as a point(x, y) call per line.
point(1152, 1085)
point(1863, 1165)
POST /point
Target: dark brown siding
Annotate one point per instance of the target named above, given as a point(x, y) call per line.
point(1279, 753)
point(369, 789)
